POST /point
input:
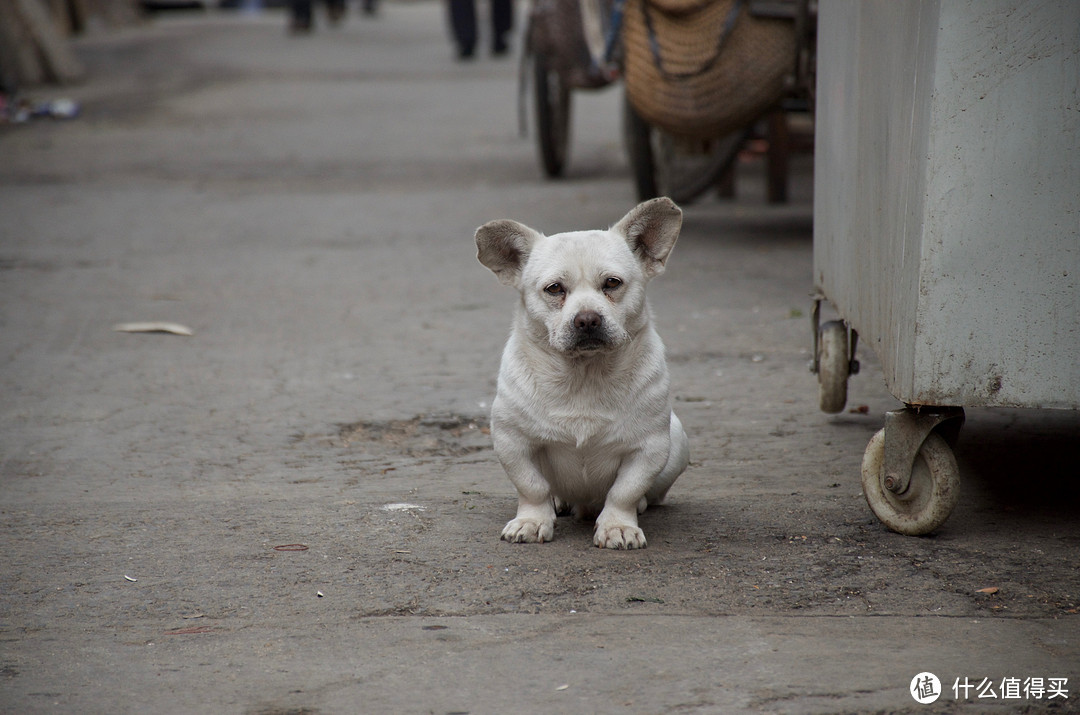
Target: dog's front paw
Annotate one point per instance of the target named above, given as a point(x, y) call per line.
point(619, 536)
point(528, 531)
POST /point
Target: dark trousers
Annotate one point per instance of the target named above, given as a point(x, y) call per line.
point(463, 24)
point(301, 10)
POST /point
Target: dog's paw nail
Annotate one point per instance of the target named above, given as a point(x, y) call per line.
point(527, 531)
point(620, 537)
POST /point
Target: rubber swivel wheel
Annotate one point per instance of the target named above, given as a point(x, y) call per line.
point(834, 366)
point(552, 116)
point(930, 496)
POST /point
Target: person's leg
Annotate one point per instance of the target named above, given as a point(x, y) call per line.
point(300, 11)
point(502, 22)
point(335, 11)
point(463, 24)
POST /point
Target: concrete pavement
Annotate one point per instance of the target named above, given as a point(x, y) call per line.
point(296, 509)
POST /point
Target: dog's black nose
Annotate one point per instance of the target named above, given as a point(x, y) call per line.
point(588, 321)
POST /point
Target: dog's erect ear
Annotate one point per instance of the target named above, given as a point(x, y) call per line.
point(503, 246)
point(651, 228)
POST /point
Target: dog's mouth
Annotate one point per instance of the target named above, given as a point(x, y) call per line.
point(588, 345)
point(587, 342)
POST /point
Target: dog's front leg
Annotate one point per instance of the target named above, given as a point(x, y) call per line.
point(617, 524)
point(535, 520)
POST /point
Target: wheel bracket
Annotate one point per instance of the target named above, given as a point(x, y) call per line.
point(905, 431)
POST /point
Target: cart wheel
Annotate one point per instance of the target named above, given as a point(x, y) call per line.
point(552, 116)
point(638, 136)
point(834, 366)
point(932, 492)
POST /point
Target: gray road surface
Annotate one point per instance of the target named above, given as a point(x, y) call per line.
point(296, 510)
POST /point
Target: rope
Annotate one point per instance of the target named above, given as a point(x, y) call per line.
point(654, 44)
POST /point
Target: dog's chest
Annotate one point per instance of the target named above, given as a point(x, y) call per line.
point(580, 432)
point(584, 410)
point(586, 415)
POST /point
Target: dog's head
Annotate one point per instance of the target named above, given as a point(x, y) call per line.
point(584, 290)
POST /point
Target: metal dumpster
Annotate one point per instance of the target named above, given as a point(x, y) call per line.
point(946, 223)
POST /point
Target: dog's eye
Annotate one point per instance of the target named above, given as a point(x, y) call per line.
point(555, 289)
point(612, 283)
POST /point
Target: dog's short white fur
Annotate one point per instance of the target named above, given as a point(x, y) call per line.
point(582, 418)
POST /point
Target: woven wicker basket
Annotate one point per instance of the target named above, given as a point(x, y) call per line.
point(714, 67)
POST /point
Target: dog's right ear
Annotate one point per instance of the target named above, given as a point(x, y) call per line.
point(651, 229)
point(503, 246)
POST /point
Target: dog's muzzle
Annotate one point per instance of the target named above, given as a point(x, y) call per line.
point(589, 332)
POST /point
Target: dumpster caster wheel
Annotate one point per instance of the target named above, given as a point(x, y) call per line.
point(931, 493)
point(834, 366)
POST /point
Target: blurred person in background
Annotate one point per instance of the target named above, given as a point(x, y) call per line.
point(463, 25)
point(300, 13)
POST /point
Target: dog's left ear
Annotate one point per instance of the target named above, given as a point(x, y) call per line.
point(503, 246)
point(651, 229)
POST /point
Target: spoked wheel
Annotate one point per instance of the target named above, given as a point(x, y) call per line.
point(666, 165)
point(552, 116)
point(931, 493)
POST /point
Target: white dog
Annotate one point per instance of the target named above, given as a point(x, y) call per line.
point(582, 416)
